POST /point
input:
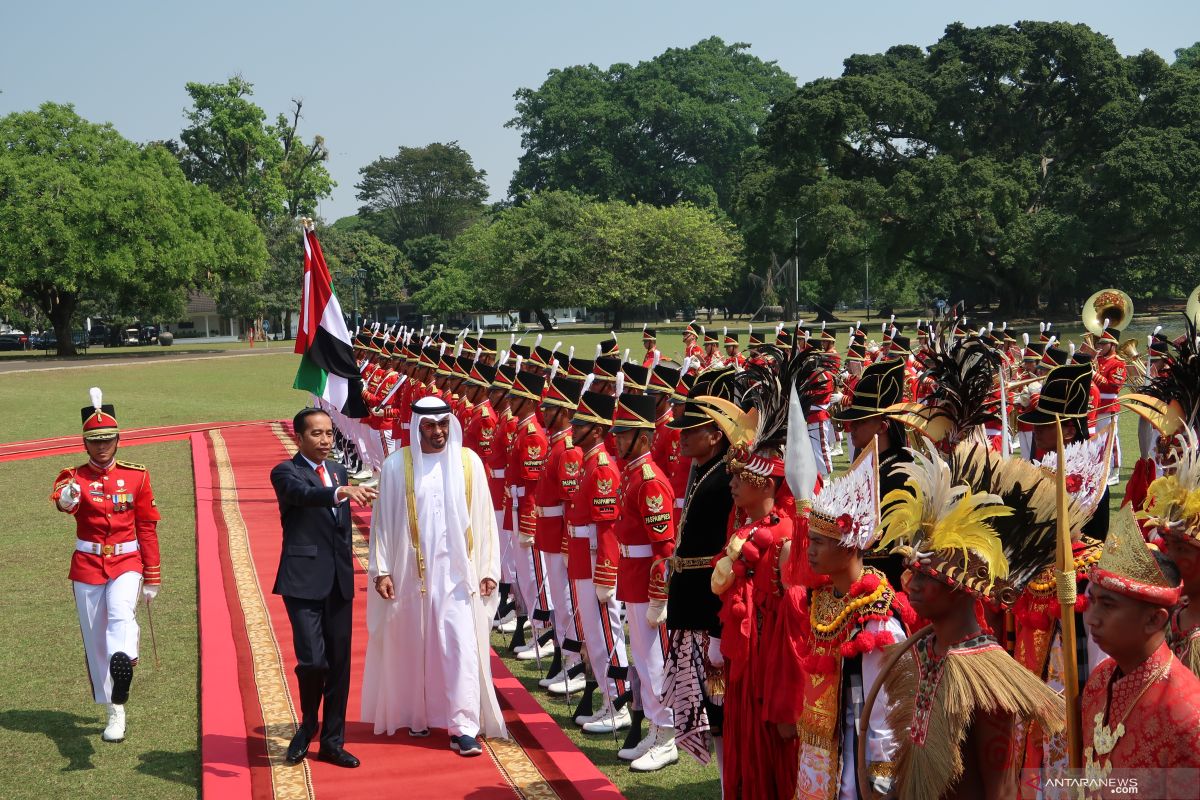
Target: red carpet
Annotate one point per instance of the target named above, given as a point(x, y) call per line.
point(246, 653)
point(62, 445)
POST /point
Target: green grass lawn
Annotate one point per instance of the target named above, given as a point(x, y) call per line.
point(49, 727)
point(46, 403)
point(687, 779)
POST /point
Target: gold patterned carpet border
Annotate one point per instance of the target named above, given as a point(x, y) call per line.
point(509, 757)
point(270, 678)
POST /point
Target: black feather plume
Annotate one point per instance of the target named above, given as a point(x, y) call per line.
point(1179, 379)
point(962, 373)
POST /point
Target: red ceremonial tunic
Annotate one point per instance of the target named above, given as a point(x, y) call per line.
point(596, 502)
point(526, 460)
point(552, 492)
point(1159, 706)
point(1110, 376)
point(116, 505)
point(646, 531)
point(479, 432)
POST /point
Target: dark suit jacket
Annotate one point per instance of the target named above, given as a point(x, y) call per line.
point(317, 557)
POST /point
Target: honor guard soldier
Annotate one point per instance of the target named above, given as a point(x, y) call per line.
point(592, 559)
point(527, 459)
point(116, 555)
point(560, 480)
point(1111, 374)
point(733, 351)
point(650, 342)
point(692, 350)
point(646, 533)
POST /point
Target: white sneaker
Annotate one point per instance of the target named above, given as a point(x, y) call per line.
point(555, 678)
point(534, 652)
point(564, 685)
point(607, 722)
point(1113, 479)
point(837, 451)
point(362, 475)
point(662, 754)
point(640, 749)
point(115, 730)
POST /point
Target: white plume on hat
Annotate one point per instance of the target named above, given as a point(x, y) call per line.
point(97, 397)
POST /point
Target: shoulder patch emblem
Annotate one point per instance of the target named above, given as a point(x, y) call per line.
point(654, 503)
point(604, 485)
point(533, 450)
point(569, 442)
point(531, 428)
point(483, 412)
point(571, 467)
point(647, 471)
point(131, 465)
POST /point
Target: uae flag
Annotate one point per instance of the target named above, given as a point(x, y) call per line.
point(327, 367)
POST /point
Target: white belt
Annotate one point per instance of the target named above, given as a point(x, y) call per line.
point(637, 551)
point(1105, 396)
point(679, 502)
point(97, 549)
point(583, 532)
point(549, 511)
point(518, 491)
point(819, 407)
point(498, 473)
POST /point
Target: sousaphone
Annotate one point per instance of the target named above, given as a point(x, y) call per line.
point(1111, 308)
point(1193, 305)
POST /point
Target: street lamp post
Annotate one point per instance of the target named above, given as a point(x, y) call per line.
point(796, 263)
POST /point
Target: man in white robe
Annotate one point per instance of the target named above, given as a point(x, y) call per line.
point(428, 620)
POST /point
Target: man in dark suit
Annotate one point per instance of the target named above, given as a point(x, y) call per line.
point(316, 579)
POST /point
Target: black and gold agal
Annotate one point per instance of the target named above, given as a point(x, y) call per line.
point(713, 382)
point(1065, 394)
point(881, 385)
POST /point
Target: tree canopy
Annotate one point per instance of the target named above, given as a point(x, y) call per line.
point(1020, 163)
point(433, 190)
point(87, 214)
point(670, 129)
point(561, 249)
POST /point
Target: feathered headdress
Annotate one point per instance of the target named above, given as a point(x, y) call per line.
point(1087, 465)
point(757, 436)
point(962, 372)
point(847, 509)
point(979, 522)
point(1173, 501)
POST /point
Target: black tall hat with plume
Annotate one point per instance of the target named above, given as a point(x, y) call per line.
point(963, 373)
point(1171, 400)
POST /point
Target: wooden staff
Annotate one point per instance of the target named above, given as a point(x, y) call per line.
point(1065, 581)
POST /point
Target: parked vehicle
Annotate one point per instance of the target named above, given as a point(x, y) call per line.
point(14, 341)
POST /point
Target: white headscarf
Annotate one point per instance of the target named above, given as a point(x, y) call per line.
point(454, 487)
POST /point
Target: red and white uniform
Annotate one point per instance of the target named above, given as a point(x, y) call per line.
point(652, 355)
point(820, 425)
point(497, 466)
point(479, 435)
point(1110, 377)
point(116, 549)
point(646, 533)
point(560, 479)
point(592, 512)
point(527, 459)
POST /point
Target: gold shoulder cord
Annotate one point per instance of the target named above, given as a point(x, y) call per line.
point(414, 533)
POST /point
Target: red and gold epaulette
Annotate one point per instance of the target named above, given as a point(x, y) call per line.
point(647, 472)
point(131, 465)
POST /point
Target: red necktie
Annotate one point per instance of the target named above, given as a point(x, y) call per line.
point(321, 474)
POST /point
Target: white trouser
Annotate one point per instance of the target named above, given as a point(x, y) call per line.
point(531, 582)
point(1147, 439)
point(1103, 421)
point(603, 636)
point(1026, 440)
point(508, 563)
point(108, 621)
point(389, 442)
point(560, 590)
point(648, 649)
point(449, 650)
point(818, 435)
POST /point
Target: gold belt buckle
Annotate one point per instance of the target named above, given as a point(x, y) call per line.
point(107, 550)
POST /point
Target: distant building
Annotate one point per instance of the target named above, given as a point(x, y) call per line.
point(201, 320)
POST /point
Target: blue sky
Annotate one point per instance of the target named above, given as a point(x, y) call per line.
point(376, 75)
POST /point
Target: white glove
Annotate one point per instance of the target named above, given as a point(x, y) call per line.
point(656, 613)
point(526, 541)
point(377, 412)
point(835, 398)
point(68, 498)
point(714, 652)
point(150, 590)
point(604, 593)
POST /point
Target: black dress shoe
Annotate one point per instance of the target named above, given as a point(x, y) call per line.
point(338, 757)
point(298, 748)
point(120, 667)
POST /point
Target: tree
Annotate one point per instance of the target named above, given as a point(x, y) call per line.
point(360, 261)
point(1188, 57)
point(562, 249)
point(667, 130)
point(433, 190)
point(1022, 163)
point(85, 213)
point(266, 170)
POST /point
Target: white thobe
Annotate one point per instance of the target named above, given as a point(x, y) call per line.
point(428, 656)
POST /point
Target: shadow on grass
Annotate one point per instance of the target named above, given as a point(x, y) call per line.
point(177, 767)
point(72, 734)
